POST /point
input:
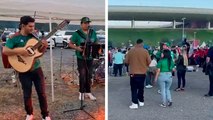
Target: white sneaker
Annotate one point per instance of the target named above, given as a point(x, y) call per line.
point(133, 106)
point(47, 118)
point(148, 86)
point(91, 97)
point(141, 103)
point(29, 117)
point(81, 96)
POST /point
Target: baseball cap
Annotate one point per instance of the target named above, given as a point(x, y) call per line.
point(85, 19)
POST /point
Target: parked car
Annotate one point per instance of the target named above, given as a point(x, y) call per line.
point(51, 41)
point(5, 35)
point(62, 38)
point(101, 38)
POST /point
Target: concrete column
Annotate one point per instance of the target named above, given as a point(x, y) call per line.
point(133, 23)
point(208, 25)
point(174, 24)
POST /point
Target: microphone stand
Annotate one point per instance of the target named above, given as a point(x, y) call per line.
point(82, 105)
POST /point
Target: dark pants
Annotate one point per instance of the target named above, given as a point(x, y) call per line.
point(85, 75)
point(211, 85)
point(127, 68)
point(149, 78)
point(118, 67)
point(113, 69)
point(27, 79)
point(199, 61)
point(181, 78)
point(137, 87)
point(150, 75)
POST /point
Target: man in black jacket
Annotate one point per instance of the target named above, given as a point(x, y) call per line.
point(209, 62)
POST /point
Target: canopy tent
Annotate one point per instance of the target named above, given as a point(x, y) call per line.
point(48, 11)
point(57, 9)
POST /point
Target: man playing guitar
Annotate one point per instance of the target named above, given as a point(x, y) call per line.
point(35, 75)
point(84, 35)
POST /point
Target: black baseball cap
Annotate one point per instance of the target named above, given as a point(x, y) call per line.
point(85, 19)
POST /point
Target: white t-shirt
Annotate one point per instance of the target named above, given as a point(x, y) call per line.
point(153, 63)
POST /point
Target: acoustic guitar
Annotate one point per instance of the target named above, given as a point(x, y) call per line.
point(24, 63)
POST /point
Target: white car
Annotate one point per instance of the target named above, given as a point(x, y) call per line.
point(62, 38)
point(101, 38)
point(51, 41)
point(6, 34)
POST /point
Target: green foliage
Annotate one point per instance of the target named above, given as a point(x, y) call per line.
point(154, 36)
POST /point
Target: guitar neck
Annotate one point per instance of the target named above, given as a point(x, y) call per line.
point(50, 34)
point(61, 25)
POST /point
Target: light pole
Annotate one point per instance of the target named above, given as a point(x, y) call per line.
point(195, 35)
point(172, 42)
point(183, 28)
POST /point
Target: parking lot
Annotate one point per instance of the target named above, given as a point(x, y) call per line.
point(188, 105)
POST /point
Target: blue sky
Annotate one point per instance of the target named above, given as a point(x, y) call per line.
point(165, 3)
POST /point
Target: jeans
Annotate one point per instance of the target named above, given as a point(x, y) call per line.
point(137, 87)
point(181, 77)
point(148, 78)
point(85, 74)
point(127, 68)
point(165, 82)
point(118, 67)
point(27, 79)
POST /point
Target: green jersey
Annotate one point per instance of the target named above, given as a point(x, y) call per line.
point(20, 41)
point(78, 39)
point(163, 65)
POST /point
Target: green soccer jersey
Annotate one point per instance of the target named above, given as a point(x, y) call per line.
point(78, 39)
point(163, 65)
point(20, 41)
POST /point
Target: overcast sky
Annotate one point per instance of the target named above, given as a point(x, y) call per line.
point(165, 3)
point(69, 9)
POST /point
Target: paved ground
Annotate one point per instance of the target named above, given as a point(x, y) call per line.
point(188, 105)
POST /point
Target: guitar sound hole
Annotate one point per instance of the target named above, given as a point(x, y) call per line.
point(30, 50)
point(21, 60)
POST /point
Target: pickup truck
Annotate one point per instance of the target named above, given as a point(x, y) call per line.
point(61, 38)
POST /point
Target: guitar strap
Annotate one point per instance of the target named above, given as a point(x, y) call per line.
point(87, 49)
point(35, 35)
point(83, 36)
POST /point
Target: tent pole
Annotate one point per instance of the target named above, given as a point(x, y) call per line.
point(51, 59)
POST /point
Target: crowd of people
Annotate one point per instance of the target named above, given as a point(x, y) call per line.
point(146, 67)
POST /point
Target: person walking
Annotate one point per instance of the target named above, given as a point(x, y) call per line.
point(164, 77)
